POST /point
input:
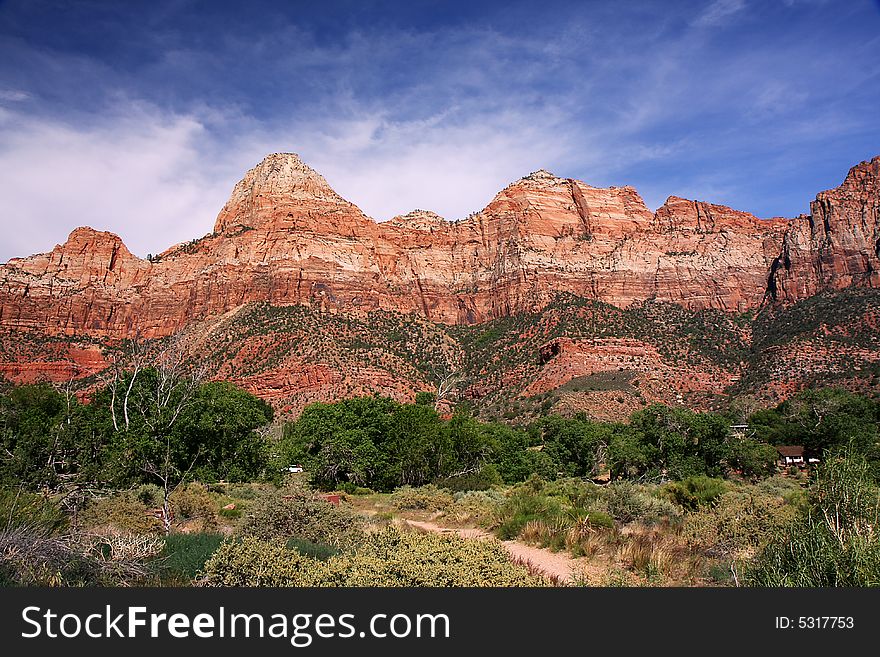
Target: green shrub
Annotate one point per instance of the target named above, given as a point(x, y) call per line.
point(599, 519)
point(231, 514)
point(483, 479)
point(193, 502)
point(250, 561)
point(242, 492)
point(320, 551)
point(297, 513)
point(628, 502)
point(475, 506)
point(353, 489)
point(150, 495)
point(835, 541)
point(427, 498)
point(576, 493)
point(694, 492)
point(521, 508)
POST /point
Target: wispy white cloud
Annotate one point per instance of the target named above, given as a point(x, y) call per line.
point(13, 95)
point(141, 174)
point(719, 12)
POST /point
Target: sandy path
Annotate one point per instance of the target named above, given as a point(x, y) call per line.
point(557, 565)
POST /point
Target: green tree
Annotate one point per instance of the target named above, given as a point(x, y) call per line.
point(37, 446)
point(220, 427)
point(822, 419)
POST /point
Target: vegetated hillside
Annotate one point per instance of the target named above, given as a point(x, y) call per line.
point(828, 339)
point(574, 355)
point(657, 351)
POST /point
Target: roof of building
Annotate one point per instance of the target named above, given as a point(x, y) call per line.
point(790, 450)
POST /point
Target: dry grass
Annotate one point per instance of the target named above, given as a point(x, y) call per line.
point(659, 554)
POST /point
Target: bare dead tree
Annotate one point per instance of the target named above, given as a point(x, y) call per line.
point(132, 360)
point(137, 358)
point(447, 377)
point(176, 387)
point(151, 410)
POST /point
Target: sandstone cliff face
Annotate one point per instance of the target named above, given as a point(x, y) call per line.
point(838, 244)
point(287, 238)
point(81, 286)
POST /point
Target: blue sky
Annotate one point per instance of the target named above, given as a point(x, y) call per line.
point(139, 117)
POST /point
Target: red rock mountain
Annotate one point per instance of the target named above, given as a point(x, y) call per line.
point(286, 239)
point(838, 244)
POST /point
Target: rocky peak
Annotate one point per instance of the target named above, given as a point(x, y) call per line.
point(88, 256)
point(681, 214)
point(281, 181)
point(862, 177)
point(285, 173)
point(285, 237)
point(418, 219)
point(838, 244)
point(540, 174)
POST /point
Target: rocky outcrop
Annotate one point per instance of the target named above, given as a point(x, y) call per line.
point(837, 245)
point(285, 237)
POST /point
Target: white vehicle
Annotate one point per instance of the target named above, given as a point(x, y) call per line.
point(294, 468)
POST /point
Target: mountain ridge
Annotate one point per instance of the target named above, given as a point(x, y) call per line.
point(554, 286)
point(286, 237)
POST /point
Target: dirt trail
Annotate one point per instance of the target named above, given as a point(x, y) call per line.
point(554, 564)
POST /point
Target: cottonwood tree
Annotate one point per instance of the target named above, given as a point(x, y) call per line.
point(146, 405)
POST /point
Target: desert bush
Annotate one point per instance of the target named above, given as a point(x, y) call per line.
point(353, 489)
point(150, 495)
point(576, 493)
point(521, 508)
point(297, 513)
point(389, 558)
point(619, 578)
point(628, 502)
point(122, 512)
point(320, 551)
point(739, 524)
point(242, 492)
point(395, 558)
point(482, 479)
point(597, 519)
point(474, 506)
point(428, 498)
point(694, 492)
point(787, 488)
point(193, 502)
point(251, 561)
point(231, 514)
